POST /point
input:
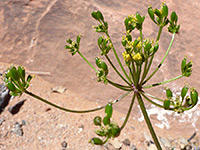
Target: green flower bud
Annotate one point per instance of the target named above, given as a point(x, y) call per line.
point(97, 121)
point(78, 39)
point(166, 104)
point(100, 40)
point(100, 132)
point(184, 91)
point(174, 17)
point(95, 16)
point(194, 96)
point(21, 72)
point(109, 110)
point(98, 62)
point(164, 10)
point(151, 13)
point(106, 120)
point(104, 66)
point(169, 93)
point(115, 130)
point(139, 18)
point(183, 65)
point(157, 12)
point(100, 16)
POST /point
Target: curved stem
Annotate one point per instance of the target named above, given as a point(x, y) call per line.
point(164, 82)
point(115, 53)
point(122, 87)
point(148, 122)
point(162, 59)
point(116, 69)
point(74, 111)
point(129, 111)
point(87, 62)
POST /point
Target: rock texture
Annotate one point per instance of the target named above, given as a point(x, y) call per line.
point(33, 33)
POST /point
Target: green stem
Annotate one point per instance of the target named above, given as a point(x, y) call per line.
point(129, 112)
point(159, 33)
point(115, 53)
point(173, 36)
point(116, 69)
point(147, 94)
point(151, 101)
point(148, 122)
point(122, 87)
point(164, 82)
point(144, 71)
point(117, 100)
point(88, 62)
point(74, 111)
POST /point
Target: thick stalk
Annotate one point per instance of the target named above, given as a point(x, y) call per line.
point(118, 60)
point(129, 112)
point(164, 82)
point(116, 69)
point(162, 59)
point(159, 33)
point(148, 122)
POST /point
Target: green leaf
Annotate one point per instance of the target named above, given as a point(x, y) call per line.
point(169, 93)
point(106, 120)
point(11, 86)
point(109, 110)
point(166, 104)
point(96, 141)
point(97, 121)
point(14, 74)
point(21, 72)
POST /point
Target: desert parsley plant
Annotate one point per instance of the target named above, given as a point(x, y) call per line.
point(138, 56)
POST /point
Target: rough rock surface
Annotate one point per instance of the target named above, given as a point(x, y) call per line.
point(33, 33)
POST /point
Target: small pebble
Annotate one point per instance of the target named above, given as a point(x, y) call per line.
point(1, 121)
point(64, 144)
point(133, 147)
point(126, 142)
point(17, 129)
point(16, 107)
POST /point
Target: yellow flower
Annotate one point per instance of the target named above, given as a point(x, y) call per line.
point(126, 56)
point(137, 57)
